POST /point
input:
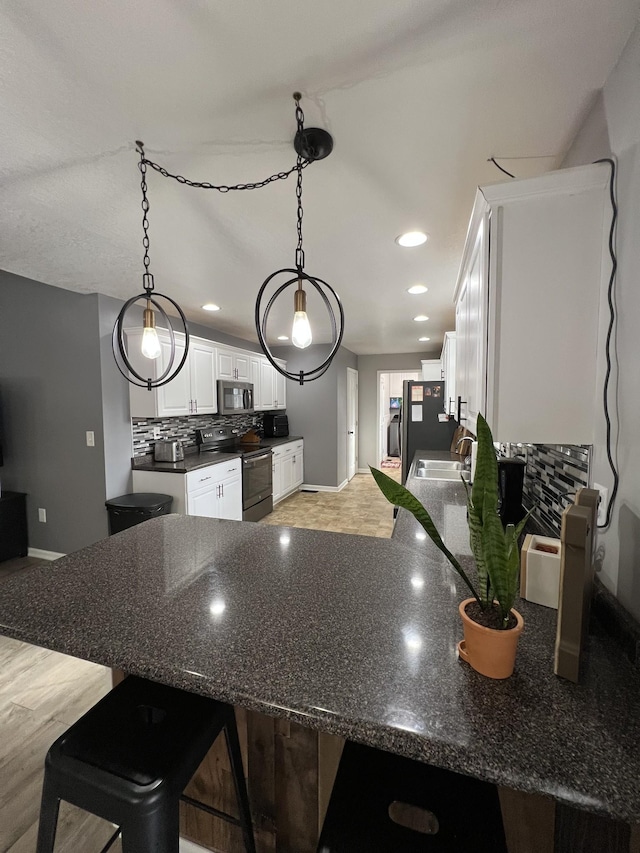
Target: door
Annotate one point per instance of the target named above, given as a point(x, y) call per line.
point(352, 422)
point(202, 359)
point(230, 501)
point(243, 368)
point(174, 398)
point(266, 384)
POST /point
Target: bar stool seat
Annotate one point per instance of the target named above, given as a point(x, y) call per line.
point(128, 760)
point(439, 811)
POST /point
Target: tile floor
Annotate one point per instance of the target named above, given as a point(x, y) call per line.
point(359, 508)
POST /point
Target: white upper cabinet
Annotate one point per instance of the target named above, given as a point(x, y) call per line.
point(280, 387)
point(528, 296)
point(448, 359)
point(234, 364)
point(193, 389)
point(431, 370)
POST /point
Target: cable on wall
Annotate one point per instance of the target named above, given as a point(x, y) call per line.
point(610, 328)
point(498, 166)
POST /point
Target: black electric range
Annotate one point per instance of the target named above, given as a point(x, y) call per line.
point(257, 482)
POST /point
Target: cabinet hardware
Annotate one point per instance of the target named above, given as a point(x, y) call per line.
point(221, 490)
point(202, 479)
point(461, 403)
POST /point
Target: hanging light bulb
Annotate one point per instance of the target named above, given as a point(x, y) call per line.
point(150, 342)
point(301, 332)
point(310, 144)
point(153, 301)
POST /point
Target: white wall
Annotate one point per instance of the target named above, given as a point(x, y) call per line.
point(613, 125)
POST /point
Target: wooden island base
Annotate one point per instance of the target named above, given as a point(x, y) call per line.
point(290, 771)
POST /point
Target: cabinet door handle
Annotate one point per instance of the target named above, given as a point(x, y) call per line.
point(461, 403)
point(221, 490)
point(195, 406)
point(202, 479)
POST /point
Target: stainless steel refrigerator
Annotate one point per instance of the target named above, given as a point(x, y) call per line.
point(425, 426)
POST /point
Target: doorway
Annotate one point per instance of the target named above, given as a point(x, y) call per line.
point(389, 394)
point(352, 422)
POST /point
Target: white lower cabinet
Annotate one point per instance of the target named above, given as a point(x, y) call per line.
point(287, 468)
point(214, 491)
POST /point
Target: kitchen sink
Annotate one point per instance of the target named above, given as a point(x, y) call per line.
point(440, 465)
point(441, 474)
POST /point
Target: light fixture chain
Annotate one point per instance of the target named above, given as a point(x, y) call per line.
point(224, 188)
point(147, 278)
point(299, 167)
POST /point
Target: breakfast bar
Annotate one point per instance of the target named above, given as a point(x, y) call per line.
point(316, 636)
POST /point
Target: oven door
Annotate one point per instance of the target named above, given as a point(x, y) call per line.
point(235, 398)
point(257, 482)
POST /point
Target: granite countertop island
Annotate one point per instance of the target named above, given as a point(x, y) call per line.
point(194, 459)
point(345, 634)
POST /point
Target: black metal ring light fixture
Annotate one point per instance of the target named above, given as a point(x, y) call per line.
point(310, 144)
point(150, 342)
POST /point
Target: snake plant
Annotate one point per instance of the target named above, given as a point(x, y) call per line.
point(495, 549)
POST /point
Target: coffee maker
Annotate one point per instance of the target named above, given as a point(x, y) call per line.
point(510, 483)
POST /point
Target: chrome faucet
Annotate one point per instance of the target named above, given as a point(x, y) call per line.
point(467, 458)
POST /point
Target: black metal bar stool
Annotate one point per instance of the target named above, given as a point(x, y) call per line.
point(129, 759)
point(385, 803)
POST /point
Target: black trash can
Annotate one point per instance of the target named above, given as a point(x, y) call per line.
point(129, 510)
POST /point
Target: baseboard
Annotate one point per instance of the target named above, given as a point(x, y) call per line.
point(189, 847)
point(44, 555)
point(363, 471)
point(312, 488)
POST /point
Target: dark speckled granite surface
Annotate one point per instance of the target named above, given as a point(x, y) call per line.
point(194, 459)
point(348, 634)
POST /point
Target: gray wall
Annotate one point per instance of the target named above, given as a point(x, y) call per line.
point(368, 367)
point(50, 376)
point(317, 411)
point(116, 421)
point(614, 125)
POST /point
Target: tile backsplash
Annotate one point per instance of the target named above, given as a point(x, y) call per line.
point(142, 429)
point(553, 475)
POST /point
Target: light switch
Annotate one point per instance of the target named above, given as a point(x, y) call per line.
point(91, 440)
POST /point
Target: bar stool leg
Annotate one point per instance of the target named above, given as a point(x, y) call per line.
point(49, 808)
point(155, 832)
point(237, 771)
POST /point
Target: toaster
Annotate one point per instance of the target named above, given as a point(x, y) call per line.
point(168, 451)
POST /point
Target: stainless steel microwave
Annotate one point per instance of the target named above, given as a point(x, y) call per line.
point(234, 398)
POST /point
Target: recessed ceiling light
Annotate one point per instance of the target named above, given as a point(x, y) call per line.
point(424, 339)
point(411, 238)
point(421, 318)
point(210, 306)
point(283, 338)
point(417, 288)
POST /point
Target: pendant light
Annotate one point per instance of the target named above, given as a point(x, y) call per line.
point(310, 144)
point(150, 342)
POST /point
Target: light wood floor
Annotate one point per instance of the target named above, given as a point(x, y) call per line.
point(42, 692)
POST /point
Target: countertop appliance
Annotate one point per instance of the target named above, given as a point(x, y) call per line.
point(422, 427)
point(168, 451)
point(510, 482)
point(234, 398)
point(275, 425)
point(257, 477)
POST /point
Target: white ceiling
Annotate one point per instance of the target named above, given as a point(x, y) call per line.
point(417, 94)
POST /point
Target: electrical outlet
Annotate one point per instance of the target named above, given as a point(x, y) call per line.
point(156, 432)
point(91, 439)
point(603, 503)
point(42, 515)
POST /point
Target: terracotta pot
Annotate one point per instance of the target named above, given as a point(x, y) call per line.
point(489, 651)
